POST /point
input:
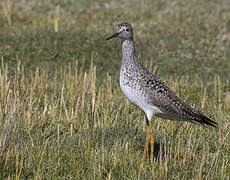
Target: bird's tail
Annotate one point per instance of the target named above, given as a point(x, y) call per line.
point(203, 121)
point(198, 118)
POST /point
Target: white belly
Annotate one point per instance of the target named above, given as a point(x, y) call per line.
point(138, 99)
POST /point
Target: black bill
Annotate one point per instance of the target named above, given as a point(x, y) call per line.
point(110, 37)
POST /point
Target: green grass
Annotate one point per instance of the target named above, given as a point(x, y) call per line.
point(62, 113)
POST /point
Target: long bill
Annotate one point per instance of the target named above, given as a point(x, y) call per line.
point(110, 37)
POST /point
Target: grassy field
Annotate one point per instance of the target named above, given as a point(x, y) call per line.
point(62, 113)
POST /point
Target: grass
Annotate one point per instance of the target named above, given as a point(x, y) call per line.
point(62, 113)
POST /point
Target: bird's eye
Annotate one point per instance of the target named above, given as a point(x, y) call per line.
point(127, 30)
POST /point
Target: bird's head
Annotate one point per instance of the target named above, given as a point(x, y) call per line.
point(123, 31)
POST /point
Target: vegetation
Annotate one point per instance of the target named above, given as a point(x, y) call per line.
point(62, 113)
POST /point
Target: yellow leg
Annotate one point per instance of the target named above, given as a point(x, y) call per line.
point(149, 139)
point(146, 149)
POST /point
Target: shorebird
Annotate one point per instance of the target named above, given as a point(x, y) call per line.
point(148, 92)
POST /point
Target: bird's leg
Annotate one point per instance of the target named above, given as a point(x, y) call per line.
point(146, 148)
point(151, 141)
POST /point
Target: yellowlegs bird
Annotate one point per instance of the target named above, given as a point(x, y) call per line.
point(148, 92)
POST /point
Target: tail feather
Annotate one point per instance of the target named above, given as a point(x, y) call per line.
point(203, 120)
point(198, 118)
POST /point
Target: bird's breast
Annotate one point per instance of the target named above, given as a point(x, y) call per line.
point(137, 95)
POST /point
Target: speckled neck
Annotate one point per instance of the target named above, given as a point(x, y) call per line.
point(128, 51)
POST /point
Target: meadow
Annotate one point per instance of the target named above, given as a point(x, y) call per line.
point(62, 113)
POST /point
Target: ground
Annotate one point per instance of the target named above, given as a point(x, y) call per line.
point(62, 113)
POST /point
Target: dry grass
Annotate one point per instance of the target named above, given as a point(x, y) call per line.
point(62, 113)
point(69, 127)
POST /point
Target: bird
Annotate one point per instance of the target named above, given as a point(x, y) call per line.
point(148, 92)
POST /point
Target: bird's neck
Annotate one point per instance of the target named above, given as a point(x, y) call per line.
point(128, 51)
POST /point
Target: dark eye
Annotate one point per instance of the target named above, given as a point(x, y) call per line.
point(127, 30)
